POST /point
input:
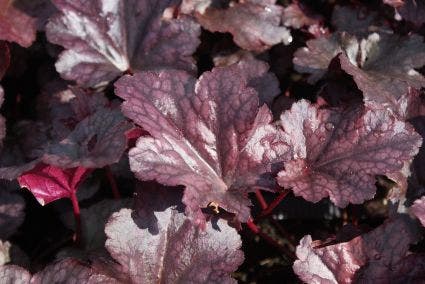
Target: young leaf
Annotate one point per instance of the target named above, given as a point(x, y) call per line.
point(103, 39)
point(338, 152)
point(169, 248)
point(209, 136)
point(49, 183)
point(15, 25)
point(255, 25)
point(380, 256)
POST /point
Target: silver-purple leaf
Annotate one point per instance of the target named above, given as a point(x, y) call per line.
point(209, 135)
point(338, 152)
point(14, 274)
point(255, 25)
point(169, 248)
point(314, 59)
point(380, 256)
point(103, 39)
point(71, 271)
point(384, 67)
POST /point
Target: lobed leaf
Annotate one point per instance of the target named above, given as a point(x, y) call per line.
point(170, 248)
point(255, 25)
point(103, 39)
point(338, 152)
point(49, 183)
point(209, 136)
point(380, 256)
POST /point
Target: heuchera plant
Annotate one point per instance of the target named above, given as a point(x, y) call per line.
point(212, 141)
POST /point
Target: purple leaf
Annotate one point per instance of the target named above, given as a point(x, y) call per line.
point(170, 248)
point(14, 274)
point(49, 183)
point(96, 141)
point(355, 21)
point(42, 10)
point(318, 54)
point(71, 270)
point(385, 67)
point(93, 220)
point(11, 213)
point(257, 75)
point(15, 25)
point(209, 136)
point(295, 16)
point(376, 257)
point(410, 10)
point(338, 152)
point(103, 39)
point(255, 25)
point(418, 209)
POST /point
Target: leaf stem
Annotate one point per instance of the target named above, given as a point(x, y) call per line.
point(256, 230)
point(76, 209)
point(274, 203)
point(261, 199)
point(112, 182)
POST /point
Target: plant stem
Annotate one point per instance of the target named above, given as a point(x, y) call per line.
point(113, 183)
point(274, 203)
point(76, 209)
point(256, 230)
point(261, 199)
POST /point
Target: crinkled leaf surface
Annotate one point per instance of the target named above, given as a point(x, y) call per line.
point(14, 274)
point(96, 141)
point(169, 248)
point(15, 25)
point(209, 136)
point(384, 67)
point(257, 76)
point(49, 183)
point(376, 257)
point(105, 38)
point(71, 271)
point(338, 152)
point(255, 25)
